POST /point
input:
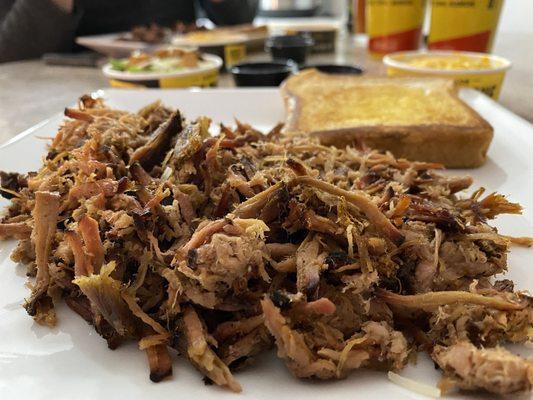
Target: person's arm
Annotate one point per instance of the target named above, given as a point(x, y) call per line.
point(230, 12)
point(31, 28)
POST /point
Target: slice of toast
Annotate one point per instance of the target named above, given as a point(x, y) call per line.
point(415, 118)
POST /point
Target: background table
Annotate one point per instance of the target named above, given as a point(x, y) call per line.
point(31, 91)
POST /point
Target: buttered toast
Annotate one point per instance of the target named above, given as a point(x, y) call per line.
point(415, 118)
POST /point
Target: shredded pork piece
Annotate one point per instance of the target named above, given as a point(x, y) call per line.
point(16, 230)
point(520, 240)
point(203, 235)
point(480, 324)
point(90, 233)
point(320, 306)
point(292, 346)
point(159, 361)
point(433, 300)
point(309, 264)
point(230, 328)
point(202, 356)
point(45, 216)
point(153, 152)
point(81, 265)
point(370, 209)
point(104, 294)
point(246, 347)
point(494, 370)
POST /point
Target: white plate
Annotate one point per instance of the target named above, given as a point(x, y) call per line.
point(214, 63)
point(110, 44)
point(73, 362)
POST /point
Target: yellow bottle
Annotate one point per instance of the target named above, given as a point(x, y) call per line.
point(393, 25)
point(463, 25)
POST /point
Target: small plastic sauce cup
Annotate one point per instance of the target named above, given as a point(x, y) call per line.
point(484, 72)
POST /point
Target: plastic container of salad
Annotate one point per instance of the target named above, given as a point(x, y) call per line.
point(164, 68)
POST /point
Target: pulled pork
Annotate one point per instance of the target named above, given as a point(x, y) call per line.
point(495, 370)
point(222, 247)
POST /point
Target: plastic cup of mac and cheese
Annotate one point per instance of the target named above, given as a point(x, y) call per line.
point(484, 72)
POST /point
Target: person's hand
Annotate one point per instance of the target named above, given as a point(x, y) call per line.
point(64, 5)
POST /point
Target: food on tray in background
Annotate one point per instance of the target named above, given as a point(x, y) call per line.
point(186, 27)
point(221, 248)
point(152, 34)
point(393, 26)
point(480, 71)
point(464, 25)
point(248, 29)
point(324, 36)
point(417, 118)
point(210, 36)
point(244, 32)
point(164, 67)
point(230, 42)
point(228, 45)
point(195, 34)
point(161, 60)
point(213, 34)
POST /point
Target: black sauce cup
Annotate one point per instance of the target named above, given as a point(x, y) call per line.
point(336, 68)
point(289, 47)
point(262, 73)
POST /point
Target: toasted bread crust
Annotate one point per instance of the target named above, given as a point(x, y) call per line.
point(456, 145)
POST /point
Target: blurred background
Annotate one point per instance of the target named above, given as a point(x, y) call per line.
point(83, 45)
